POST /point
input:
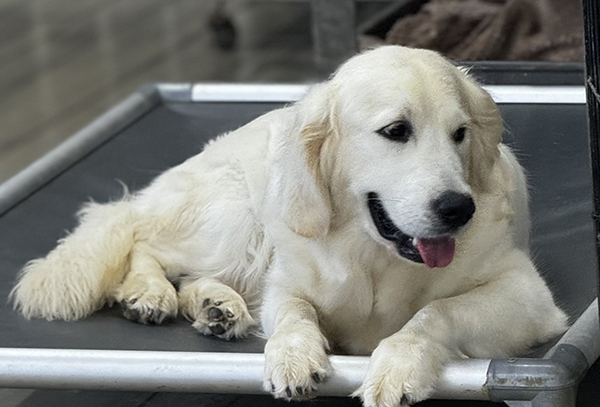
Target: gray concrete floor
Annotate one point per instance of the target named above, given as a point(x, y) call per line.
point(64, 62)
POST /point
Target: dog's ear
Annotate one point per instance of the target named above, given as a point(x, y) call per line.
point(487, 129)
point(297, 175)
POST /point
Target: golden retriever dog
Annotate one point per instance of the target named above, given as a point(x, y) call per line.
point(380, 215)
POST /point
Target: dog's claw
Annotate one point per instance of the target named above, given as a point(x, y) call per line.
point(144, 315)
point(130, 313)
point(288, 392)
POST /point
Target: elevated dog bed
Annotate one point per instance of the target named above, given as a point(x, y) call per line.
point(159, 127)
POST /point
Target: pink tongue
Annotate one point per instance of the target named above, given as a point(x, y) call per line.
point(437, 252)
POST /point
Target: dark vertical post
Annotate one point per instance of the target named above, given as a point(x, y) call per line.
point(591, 17)
point(334, 32)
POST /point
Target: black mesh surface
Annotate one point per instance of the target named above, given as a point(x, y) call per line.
point(550, 141)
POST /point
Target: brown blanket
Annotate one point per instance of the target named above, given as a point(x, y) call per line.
point(510, 30)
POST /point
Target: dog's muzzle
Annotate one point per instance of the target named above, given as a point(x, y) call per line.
point(434, 252)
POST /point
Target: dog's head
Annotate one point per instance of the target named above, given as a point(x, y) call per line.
point(411, 137)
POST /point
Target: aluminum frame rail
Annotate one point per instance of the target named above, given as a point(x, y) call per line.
point(193, 372)
point(76, 147)
point(550, 381)
point(222, 92)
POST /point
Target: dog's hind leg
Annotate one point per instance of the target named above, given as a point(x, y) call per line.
point(215, 308)
point(146, 296)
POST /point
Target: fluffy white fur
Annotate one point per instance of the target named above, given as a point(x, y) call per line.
point(270, 224)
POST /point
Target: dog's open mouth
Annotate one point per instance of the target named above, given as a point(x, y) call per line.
point(434, 252)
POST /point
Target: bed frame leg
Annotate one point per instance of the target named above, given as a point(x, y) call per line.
point(559, 398)
point(548, 382)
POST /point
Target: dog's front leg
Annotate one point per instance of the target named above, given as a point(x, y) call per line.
point(500, 318)
point(295, 354)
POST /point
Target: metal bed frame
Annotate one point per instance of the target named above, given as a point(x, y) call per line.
point(550, 381)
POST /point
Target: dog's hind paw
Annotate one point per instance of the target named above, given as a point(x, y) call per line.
point(225, 319)
point(147, 313)
point(216, 309)
point(147, 302)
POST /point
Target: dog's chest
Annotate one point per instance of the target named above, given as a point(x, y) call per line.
point(360, 304)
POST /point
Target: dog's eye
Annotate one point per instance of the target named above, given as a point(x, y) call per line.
point(397, 131)
point(459, 135)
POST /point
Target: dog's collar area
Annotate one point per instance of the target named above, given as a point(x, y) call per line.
point(389, 231)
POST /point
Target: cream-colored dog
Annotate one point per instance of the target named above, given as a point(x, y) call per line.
point(380, 214)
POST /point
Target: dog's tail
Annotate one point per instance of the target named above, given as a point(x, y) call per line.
point(79, 275)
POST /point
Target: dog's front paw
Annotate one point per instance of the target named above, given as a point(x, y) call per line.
point(403, 371)
point(296, 362)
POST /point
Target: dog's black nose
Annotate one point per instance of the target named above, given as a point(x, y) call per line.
point(454, 209)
